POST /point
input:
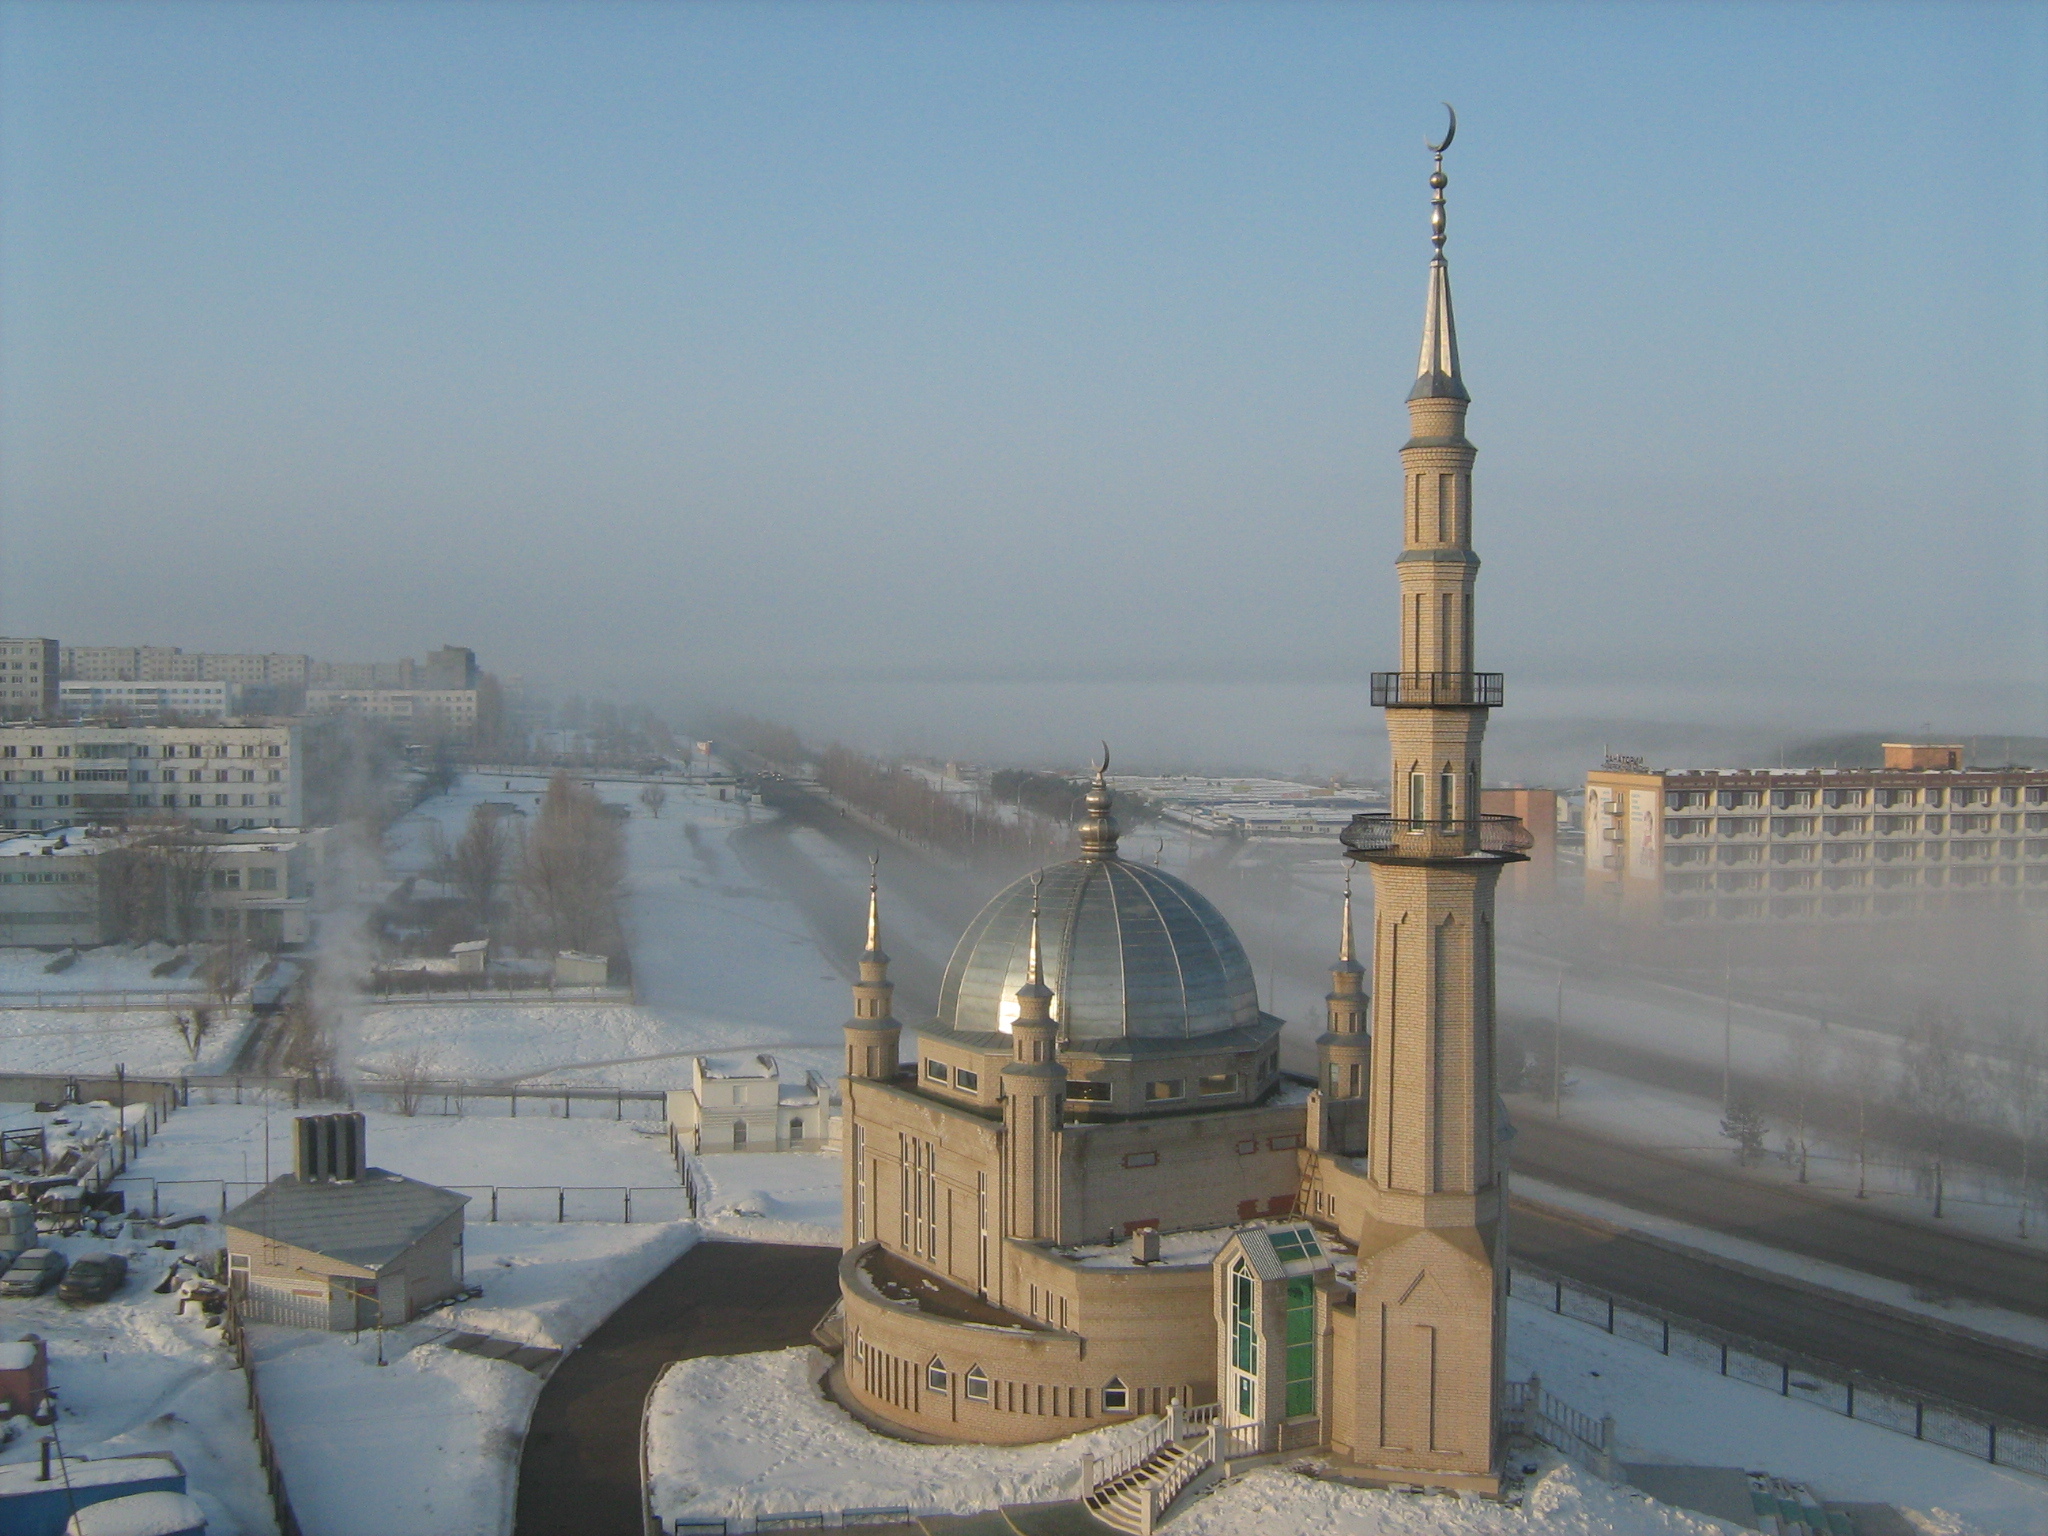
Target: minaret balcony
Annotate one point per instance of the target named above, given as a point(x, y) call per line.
point(1436, 690)
point(1376, 836)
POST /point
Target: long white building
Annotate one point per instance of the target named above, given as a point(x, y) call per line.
point(222, 778)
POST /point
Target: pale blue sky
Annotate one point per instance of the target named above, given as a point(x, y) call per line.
point(800, 352)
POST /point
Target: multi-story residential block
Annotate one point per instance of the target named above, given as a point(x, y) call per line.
point(1921, 834)
point(219, 777)
point(149, 701)
point(28, 678)
point(49, 887)
point(447, 708)
point(169, 664)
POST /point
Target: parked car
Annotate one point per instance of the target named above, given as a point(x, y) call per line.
point(94, 1278)
point(32, 1273)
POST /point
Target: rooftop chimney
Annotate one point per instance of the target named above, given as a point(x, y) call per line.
point(328, 1148)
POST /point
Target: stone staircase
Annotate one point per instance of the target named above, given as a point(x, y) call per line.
point(1133, 1491)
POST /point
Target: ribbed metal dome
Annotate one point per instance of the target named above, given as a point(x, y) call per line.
point(1129, 951)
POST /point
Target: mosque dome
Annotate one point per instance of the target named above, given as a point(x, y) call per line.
point(1129, 951)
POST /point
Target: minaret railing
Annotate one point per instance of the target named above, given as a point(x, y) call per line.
point(1437, 690)
point(1379, 833)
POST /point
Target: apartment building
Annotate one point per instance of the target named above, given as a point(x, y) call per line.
point(170, 664)
point(149, 701)
point(28, 678)
point(1921, 834)
point(452, 709)
point(221, 777)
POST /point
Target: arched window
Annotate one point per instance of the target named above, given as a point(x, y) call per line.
point(739, 1134)
point(936, 1376)
point(976, 1384)
point(1244, 1337)
point(1116, 1397)
point(796, 1128)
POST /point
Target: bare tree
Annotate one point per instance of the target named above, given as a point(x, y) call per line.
point(477, 865)
point(154, 884)
point(227, 968)
point(409, 1075)
point(1861, 1076)
point(572, 868)
point(1800, 1072)
point(193, 1029)
point(2023, 1086)
point(1936, 1086)
point(654, 797)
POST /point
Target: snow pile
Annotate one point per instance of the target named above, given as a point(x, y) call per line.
point(1562, 1501)
point(774, 1197)
point(747, 1435)
point(552, 1285)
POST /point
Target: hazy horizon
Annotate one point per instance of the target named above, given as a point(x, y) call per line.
point(991, 379)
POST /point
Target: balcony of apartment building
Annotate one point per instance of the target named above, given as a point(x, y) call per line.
point(1792, 879)
point(1795, 853)
point(1437, 690)
point(1845, 853)
point(1733, 854)
point(1794, 906)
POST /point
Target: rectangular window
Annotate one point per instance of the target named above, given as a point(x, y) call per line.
point(1221, 1082)
point(1141, 1159)
point(1163, 1088)
point(935, 1070)
point(965, 1079)
point(1088, 1093)
point(1301, 1348)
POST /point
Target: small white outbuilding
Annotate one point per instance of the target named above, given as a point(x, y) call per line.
point(741, 1104)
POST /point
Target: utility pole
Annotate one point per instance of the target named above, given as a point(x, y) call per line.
point(1557, 1053)
point(1727, 1026)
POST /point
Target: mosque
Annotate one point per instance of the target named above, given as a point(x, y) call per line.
point(1085, 1191)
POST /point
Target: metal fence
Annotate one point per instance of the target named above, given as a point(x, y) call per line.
point(1853, 1394)
point(436, 1096)
point(236, 1336)
point(804, 1520)
point(530, 1203)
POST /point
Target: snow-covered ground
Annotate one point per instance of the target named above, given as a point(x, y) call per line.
point(210, 1143)
point(746, 1435)
point(428, 1444)
point(774, 1197)
point(144, 1040)
point(132, 1376)
point(1668, 1411)
point(719, 963)
point(109, 968)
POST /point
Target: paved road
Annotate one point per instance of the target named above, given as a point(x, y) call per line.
point(1944, 1263)
point(1830, 1328)
point(580, 1470)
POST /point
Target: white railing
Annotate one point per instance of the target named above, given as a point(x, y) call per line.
point(1529, 1410)
point(1099, 1470)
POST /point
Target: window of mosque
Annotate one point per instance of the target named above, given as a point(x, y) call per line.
point(963, 1078)
point(1301, 1347)
point(1220, 1082)
point(936, 1376)
point(1116, 1397)
point(1293, 1243)
point(975, 1384)
point(935, 1070)
point(1089, 1093)
point(1244, 1321)
point(1163, 1088)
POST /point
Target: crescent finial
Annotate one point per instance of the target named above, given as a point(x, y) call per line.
point(1102, 768)
point(1450, 133)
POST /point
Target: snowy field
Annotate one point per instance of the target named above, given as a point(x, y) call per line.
point(109, 968)
point(144, 1040)
point(719, 962)
point(774, 1197)
point(132, 1375)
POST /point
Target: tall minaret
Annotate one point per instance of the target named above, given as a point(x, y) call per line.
point(1034, 1088)
point(1432, 1245)
point(872, 1034)
point(1344, 1051)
